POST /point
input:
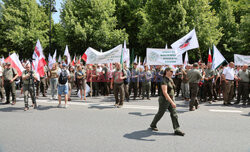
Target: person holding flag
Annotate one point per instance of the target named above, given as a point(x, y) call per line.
point(9, 76)
point(28, 82)
point(208, 83)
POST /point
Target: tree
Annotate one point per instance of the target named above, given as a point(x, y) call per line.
point(91, 23)
point(166, 21)
point(129, 15)
point(244, 35)
point(228, 42)
point(22, 23)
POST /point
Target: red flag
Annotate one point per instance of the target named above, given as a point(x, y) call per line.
point(15, 63)
point(209, 59)
point(39, 57)
point(84, 57)
point(73, 62)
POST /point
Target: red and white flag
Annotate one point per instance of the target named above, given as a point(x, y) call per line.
point(84, 57)
point(39, 58)
point(15, 63)
point(209, 59)
point(74, 61)
point(186, 43)
point(66, 53)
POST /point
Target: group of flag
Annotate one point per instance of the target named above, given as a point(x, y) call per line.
point(181, 46)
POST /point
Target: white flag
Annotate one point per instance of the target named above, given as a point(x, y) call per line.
point(135, 61)
point(126, 54)
point(186, 59)
point(218, 58)
point(54, 57)
point(60, 59)
point(51, 60)
point(66, 53)
point(186, 43)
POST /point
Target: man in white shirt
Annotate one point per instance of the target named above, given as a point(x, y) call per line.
point(63, 84)
point(228, 76)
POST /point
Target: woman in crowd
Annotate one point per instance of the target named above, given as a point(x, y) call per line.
point(53, 81)
point(71, 80)
point(81, 81)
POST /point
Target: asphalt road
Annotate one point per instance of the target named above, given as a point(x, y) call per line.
point(96, 126)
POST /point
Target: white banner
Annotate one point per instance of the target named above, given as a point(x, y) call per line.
point(163, 57)
point(111, 56)
point(241, 59)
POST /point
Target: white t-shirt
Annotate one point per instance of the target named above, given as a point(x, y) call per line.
point(1, 71)
point(229, 73)
point(58, 73)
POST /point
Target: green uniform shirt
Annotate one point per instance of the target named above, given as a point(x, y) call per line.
point(117, 76)
point(27, 81)
point(194, 76)
point(244, 75)
point(179, 71)
point(185, 78)
point(170, 85)
point(209, 73)
point(9, 74)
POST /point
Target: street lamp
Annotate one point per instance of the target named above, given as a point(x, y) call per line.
point(51, 9)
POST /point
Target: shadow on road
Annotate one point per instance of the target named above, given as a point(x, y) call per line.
point(246, 114)
point(142, 134)
point(140, 114)
point(40, 107)
point(11, 109)
point(100, 107)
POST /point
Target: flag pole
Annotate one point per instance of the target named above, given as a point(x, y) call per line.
point(200, 54)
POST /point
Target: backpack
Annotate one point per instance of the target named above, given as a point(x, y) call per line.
point(63, 78)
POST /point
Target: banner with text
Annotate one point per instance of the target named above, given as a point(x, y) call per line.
point(111, 56)
point(241, 59)
point(163, 57)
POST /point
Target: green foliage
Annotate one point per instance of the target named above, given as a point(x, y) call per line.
point(165, 23)
point(228, 41)
point(91, 23)
point(21, 25)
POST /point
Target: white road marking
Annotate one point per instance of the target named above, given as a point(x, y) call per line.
point(229, 111)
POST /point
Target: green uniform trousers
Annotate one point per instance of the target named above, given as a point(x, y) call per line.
point(28, 89)
point(163, 106)
point(146, 86)
point(228, 93)
point(194, 89)
point(119, 88)
point(243, 91)
point(133, 85)
point(208, 90)
point(1, 89)
point(10, 88)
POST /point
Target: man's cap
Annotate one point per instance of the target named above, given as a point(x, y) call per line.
point(8, 63)
point(64, 64)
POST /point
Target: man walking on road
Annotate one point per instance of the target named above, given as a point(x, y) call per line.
point(27, 85)
point(118, 80)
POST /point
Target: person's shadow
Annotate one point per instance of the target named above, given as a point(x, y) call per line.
point(142, 134)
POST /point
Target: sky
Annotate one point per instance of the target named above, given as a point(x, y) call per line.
point(56, 16)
